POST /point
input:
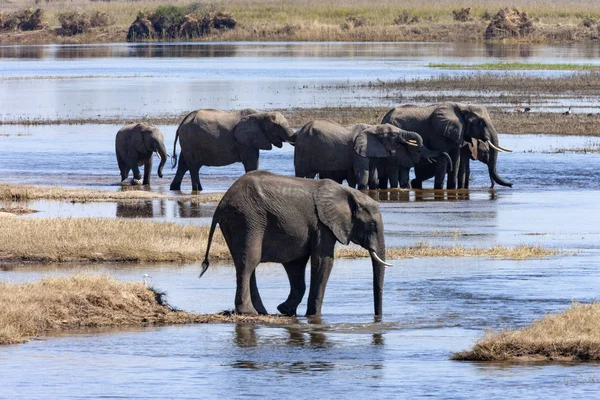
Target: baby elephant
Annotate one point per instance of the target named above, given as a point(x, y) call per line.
point(271, 218)
point(134, 146)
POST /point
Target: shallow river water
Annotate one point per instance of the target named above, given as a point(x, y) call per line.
point(433, 307)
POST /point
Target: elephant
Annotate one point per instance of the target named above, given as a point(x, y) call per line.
point(266, 217)
point(134, 145)
point(445, 127)
point(328, 148)
point(473, 150)
point(217, 138)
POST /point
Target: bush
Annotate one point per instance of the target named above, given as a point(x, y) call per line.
point(462, 15)
point(405, 18)
point(171, 22)
point(509, 22)
point(77, 22)
point(589, 22)
point(354, 22)
point(25, 20)
point(98, 19)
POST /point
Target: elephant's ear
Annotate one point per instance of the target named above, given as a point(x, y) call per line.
point(449, 122)
point(335, 208)
point(249, 132)
point(368, 143)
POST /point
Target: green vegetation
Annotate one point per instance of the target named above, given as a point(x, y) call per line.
point(517, 66)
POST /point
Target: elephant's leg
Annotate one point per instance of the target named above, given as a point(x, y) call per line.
point(249, 157)
point(244, 269)
point(195, 175)
point(182, 168)
point(383, 175)
point(393, 174)
point(351, 178)
point(403, 173)
point(132, 158)
point(440, 174)
point(147, 170)
point(123, 168)
point(452, 175)
point(255, 296)
point(296, 271)
point(372, 176)
point(321, 264)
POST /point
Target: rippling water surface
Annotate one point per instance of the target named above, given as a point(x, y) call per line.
point(432, 306)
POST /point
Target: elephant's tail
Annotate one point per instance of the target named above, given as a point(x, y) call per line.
point(205, 263)
point(174, 156)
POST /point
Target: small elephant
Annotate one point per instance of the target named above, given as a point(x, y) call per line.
point(217, 138)
point(445, 127)
point(271, 218)
point(473, 150)
point(324, 147)
point(134, 145)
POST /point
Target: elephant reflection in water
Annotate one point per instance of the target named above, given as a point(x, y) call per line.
point(191, 209)
point(141, 209)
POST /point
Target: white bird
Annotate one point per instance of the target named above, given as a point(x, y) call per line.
point(146, 279)
point(568, 112)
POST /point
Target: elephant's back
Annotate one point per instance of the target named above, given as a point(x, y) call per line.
point(321, 143)
point(206, 136)
point(410, 117)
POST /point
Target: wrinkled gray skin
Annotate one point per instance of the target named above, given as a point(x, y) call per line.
point(134, 145)
point(217, 138)
point(271, 218)
point(473, 150)
point(446, 127)
point(328, 148)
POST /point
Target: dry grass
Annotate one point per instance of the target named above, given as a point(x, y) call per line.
point(97, 239)
point(573, 335)
point(313, 20)
point(17, 210)
point(24, 193)
point(87, 301)
point(420, 250)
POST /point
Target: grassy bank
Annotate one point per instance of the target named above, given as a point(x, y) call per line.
point(507, 122)
point(25, 193)
point(344, 20)
point(517, 66)
point(573, 335)
point(97, 240)
point(55, 305)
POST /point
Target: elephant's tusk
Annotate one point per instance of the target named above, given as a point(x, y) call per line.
point(379, 260)
point(498, 148)
point(158, 155)
point(412, 142)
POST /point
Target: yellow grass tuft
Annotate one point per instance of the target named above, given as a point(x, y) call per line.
point(98, 239)
point(88, 301)
point(23, 193)
point(573, 335)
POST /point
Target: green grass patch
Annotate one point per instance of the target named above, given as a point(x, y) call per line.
point(517, 66)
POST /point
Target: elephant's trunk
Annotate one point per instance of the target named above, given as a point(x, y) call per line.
point(378, 262)
point(427, 153)
point(288, 134)
point(493, 159)
point(162, 153)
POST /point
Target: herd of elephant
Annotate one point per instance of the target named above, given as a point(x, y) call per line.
point(266, 217)
point(436, 140)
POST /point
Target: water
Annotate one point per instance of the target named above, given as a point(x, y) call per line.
point(433, 307)
point(135, 80)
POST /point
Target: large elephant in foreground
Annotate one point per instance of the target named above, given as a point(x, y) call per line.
point(216, 138)
point(135, 144)
point(446, 127)
point(328, 148)
point(271, 218)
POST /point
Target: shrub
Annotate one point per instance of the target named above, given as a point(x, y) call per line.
point(171, 22)
point(589, 22)
point(77, 22)
point(462, 15)
point(404, 18)
point(98, 19)
point(509, 22)
point(25, 20)
point(354, 22)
